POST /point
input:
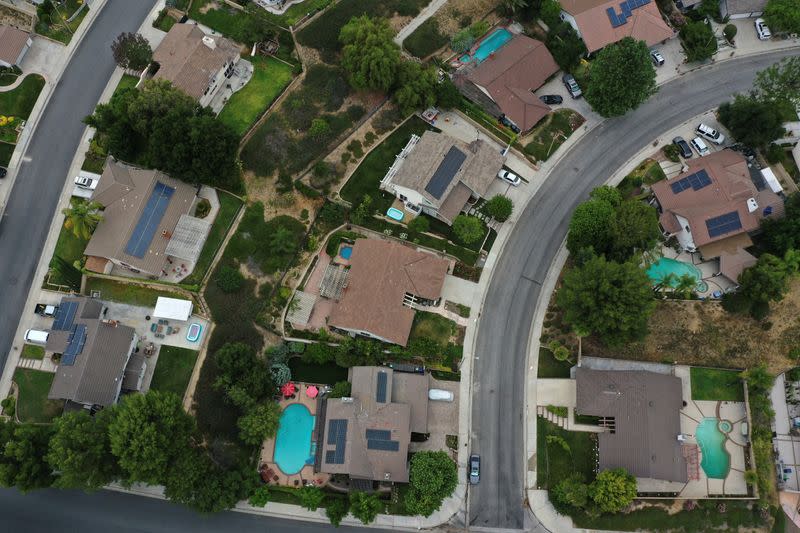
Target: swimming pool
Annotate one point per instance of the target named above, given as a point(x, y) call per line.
point(395, 214)
point(716, 462)
point(193, 332)
point(489, 45)
point(664, 266)
point(346, 252)
point(293, 448)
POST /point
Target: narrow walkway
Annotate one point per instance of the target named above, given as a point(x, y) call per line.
point(417, 21)
point(45, 364)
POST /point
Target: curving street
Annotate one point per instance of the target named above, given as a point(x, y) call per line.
point(500, 366)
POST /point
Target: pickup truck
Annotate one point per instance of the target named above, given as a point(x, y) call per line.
point(45, 310)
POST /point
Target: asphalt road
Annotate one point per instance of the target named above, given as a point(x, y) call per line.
point(34, 198)
point(501, 354)
point(105, 511)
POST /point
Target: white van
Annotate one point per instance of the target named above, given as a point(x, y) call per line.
point(700, 147)
point(440, 395)
point(710, 133)
point(36, 336)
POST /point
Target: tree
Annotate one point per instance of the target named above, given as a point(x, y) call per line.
point(590, 226)
point(729, 32)
point(365, 506)
point(336, 510)
point(550, 12)
point(783, 16)
point(240, 368)
point(685, 285)
point(319, 353)
point(415, 88)
point(148, 433)
point(369, 54)
point(363, 211)
point(311, 497)
point(280, 373)
point(572, 491)
point(341, 389)
point(80, 450)
point(229, 279)
point(580, 332)
point(418, 225)
point(764, 282)
point(259, 423)
point(433, 477)
point(751, 121)
point(698, 41)
point(613, 490)
point(565, 45)
point(779, 82)
point(468, 229)
point(610, 299)
point(22, 456)
point(319, 129)
point(622, 77)
point(132, 51)
point(783, 234)
point(283, 241)
point(259, 497)
point(633, 229)
point(499, 207)
point(511, 7)
point(447, 94)
point(462, 41)
point(82, 218)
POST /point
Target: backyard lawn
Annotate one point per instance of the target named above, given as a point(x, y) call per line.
point(246, 106)
point(19, 102)
point(127, 293)
point(712, 384)
point(373, 168)
point(552, 132)
point(554, 463)
point(432, 326)
point(233, 22)
point(173, 369)
point(32, 404)
point(327, 374)
point(61, 30)
point(32, 351)
point(228, 207)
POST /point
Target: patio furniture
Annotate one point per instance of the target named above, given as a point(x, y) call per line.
point(159, 335)
point(169, 330)
point(153, 327)
point(161, 321)
point(176, 330)
point(159, 329)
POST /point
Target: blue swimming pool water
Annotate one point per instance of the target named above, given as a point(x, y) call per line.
point(658, 270)
point(293, 443)
point(495, 40)
point(716, 462)
point(346, 252)
point(395, 214)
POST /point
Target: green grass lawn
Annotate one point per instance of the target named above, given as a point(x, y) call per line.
point(550, 367)
point(554, 463)
point(712, 384)
point(32, 351)
point(70, 248)
point(63, 31)
point(127, 82)
point(426, 39)
point(173, 369)
point(228, 207)
point(32, 404)
point(432, 326)
point(127, 293)
point(552, 132)
point(270, 76)
point(328, 374)
point(373, 168)
point(20, 101)
point(232, 22)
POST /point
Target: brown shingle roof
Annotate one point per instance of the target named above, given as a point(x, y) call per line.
point(511, 73)
point(729, 191)
point(645, 23)
point(186, 61)
point(12, 42)
point(646, 410)
point(382, 272)
point(731, 265)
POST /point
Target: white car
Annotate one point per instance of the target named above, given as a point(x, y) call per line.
point(509, 177)
point(656, 57)
point(700, 147)
point(85, 182)
point(710, 133)
point(762, 30)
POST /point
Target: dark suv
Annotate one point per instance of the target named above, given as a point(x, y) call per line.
point(683, 146)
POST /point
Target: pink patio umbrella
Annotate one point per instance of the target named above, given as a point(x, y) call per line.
point(312, 391)
point(287, 389)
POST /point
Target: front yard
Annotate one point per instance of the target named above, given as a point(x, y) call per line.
point(69, 248)
point(55, 25)
point(545, 138)
point(32, 351)
point(432, 326)
point(713, 384)
point(32, 404)
point(554, 463)
point(173, 370)
point(18, 103)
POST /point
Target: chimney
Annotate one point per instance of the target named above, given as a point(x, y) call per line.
point(210, 42)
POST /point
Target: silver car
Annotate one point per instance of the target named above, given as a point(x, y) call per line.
point(474, 469)
point(509, 177)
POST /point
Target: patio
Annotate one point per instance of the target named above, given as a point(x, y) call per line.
point(717, 284)
point(242, 73)
point(134, 316)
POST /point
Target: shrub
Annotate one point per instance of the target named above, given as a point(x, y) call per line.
point(426, 39)
point(341, 389)
point(355, 147)
point(672, 152)
point(203, 208)
point(729, 32)
point(468, 229)
point(229, 279)
point(499, 207)
point(336, 510)
point(305, 190)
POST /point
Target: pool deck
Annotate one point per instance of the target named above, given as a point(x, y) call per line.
point(266, 459)
point(708, 269)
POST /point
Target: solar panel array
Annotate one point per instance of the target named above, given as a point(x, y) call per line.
point(379, 434)
point(75, 343)
point(380, 392)
point(445, 172)
point(696, 181)
point(380, 439)
point(626, 12)
point(337, 435)
point(65, 316)
point(149, 220)
point(723, 224)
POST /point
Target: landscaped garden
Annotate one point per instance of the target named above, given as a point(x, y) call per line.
point(60, 20)
point(16, 105)
point(173, 369)
point(432, 326)
point(555, 461)
point(32, 404)
point(716, 384)
point(545, 138)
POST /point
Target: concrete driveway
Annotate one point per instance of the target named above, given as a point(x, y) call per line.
point(442, 418)
point(45, 57)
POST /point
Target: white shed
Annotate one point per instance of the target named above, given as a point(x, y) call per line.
point(173, 309)
point(772, 180)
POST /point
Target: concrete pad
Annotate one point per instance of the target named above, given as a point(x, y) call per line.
point(460, 291)
point(715, 486)
point(442, 419)
point(735, 483)
point(658, 485)
point(558, 392)
point(134, 316)
point(708, 408)
point(778, 397)
point(45, 57)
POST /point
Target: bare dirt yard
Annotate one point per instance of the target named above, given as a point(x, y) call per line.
point(454, 15)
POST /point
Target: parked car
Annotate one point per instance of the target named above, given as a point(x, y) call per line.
point(657, 58)
point(36, 336)
point(571, 85)
point(474, 469)
point(507, 123)
point(683, 146)
point(45, 310)
point(85, 182)
point(508, 176)
point(700, 147)
point(710, 133)
point(551, 99)
point(762, 30)
point(440, 395)
point(3, 172)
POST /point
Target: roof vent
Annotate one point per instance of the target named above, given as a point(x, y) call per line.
point(752, 205)
point(387, 476)
point(347, 400)
point(210, 42)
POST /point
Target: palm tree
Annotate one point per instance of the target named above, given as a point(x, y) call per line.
point(580, 332)
point(669, 280)
point(82, 218)
point(512, 6)
point(686, 284)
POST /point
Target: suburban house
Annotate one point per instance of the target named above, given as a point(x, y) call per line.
point(366, 435)
point(439, 175)
point(147, 224)
point(386, 280)
point(740, 9)
point(197, 63)
point(641, 411)
point(97, 355)
point(504, 82)
point(602, 22)
point(713, 206)
point(14, 44)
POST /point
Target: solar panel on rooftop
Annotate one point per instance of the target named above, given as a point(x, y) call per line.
point(379, 434)
point(723, 224)
point(151, 216)
point(380, 393)
point(65, 316)
point(383, 445)
point(75, 345)
point(445, 172)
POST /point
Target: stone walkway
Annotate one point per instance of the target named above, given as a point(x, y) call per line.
point(45, 364)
